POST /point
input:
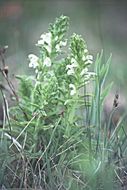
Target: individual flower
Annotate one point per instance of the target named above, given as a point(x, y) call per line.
point(89, 76)
point(59, 45)
point(71, 67)
point(74, 62)
point(70, 71)
point(72, 89)
point(92, 74)
point(88, 62)
point(84, 71)
point(63, 43)
point(88, 59)
point(46, 37)
point(47, 62)
point(45, 40)
point(33, 60)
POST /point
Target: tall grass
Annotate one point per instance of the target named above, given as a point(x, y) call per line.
point(55, 137)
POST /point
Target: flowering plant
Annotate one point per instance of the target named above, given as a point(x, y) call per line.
point(51, 139)
point(50, 99)
point(59, 76)
point(54, 90)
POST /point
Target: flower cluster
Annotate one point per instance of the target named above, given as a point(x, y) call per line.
point(78, 63)
point(46, 39)
point(88, 60)
point(34, 62)
point(84, 72)
point(74, 64)
point(45, 42)
point(71, 67)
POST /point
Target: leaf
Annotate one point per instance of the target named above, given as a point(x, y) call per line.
point(106, 92)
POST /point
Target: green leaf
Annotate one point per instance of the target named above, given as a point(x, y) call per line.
point(106, 92)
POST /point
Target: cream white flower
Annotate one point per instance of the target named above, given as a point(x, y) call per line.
point(70, 68)
point(45, 41)
point(63, 43)
point(86, 51)
point(89, 57)
point(33, 60)
point(47, 62)
point(74, 65)
point(89, 75)
point(84, 71)
point(92, 74)
point(71, 71)
point(89, 61)
point(72, 89)
point(58, 46)
point(47, 46)
point(73, 61)
point(46, 38)
point(40, 42)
